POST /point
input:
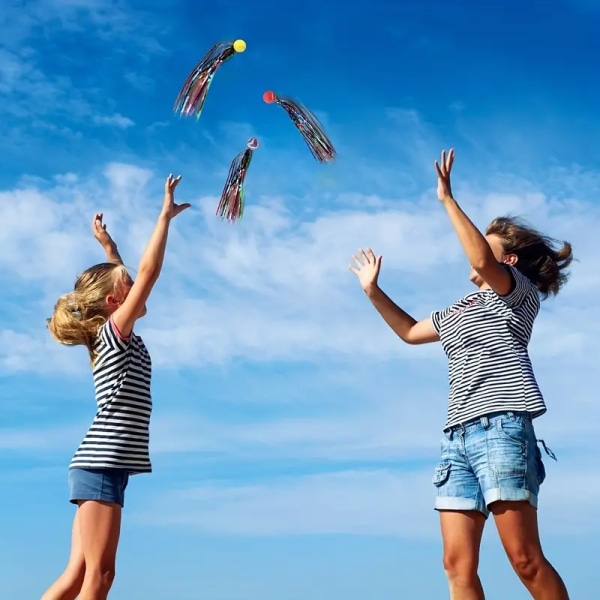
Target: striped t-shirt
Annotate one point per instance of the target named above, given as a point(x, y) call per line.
point(485, 337)
point(119, 435)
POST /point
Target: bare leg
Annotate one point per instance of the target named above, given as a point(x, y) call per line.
point(461, 532)
point(100, 526)
point(518, 529)
point(68, 585)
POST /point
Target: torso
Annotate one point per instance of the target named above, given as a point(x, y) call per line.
point(485, 337)
point(119, 435)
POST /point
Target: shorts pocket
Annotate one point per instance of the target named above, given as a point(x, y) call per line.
point(441, 473)
point(513, 429)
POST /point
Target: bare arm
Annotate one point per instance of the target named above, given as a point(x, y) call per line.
point(402, 324)
point(409, 330)
point(150, 264)
point(476, 247)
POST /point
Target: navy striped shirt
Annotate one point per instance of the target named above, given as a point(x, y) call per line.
point(485, 337)
point(119, 435)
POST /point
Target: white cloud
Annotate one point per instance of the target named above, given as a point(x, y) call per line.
point(274, 287)
point(381, 502)
point(354, 502)
point(115, 120)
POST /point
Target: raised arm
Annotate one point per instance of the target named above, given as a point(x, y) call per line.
point(105, 240)
point(150, 264)
point(478, 251)
point(409, 330)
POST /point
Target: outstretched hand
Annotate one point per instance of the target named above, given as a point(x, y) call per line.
point(100, 233)
point(367, 268)
point(444, 189)
point(170, 209)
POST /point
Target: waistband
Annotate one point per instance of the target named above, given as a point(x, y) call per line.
point(484, 421)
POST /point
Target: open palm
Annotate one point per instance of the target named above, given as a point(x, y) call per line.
point(366, 267)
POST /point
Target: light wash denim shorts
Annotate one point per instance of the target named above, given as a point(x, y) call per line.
point(492, 458)
point(103, 485)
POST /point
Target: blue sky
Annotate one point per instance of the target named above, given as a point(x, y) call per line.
point(294, 438)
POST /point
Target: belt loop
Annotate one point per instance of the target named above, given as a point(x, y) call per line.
point(511, 415)
point(485, 422)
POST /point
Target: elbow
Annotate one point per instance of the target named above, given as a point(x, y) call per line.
point(483, 264)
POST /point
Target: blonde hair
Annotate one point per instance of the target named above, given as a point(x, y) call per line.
point(79, 314)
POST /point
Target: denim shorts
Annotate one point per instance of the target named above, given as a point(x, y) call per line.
point(488, 459)
point(104, 485)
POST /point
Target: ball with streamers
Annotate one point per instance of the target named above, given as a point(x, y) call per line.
point(232, 203)
point(192, 96)
point(307, 124)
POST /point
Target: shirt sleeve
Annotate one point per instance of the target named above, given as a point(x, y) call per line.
point(437, 316)
point(521, 290)
point(111, 336)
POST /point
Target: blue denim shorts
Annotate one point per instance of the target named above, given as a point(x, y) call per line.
point(104, 485)
point(488, 459)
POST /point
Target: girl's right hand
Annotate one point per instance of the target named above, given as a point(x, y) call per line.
point(170, 209)
point(367, 269)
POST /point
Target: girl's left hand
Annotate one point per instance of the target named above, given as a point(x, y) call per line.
point(444, 189)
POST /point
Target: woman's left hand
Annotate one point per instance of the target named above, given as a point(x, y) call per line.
point(444, 189)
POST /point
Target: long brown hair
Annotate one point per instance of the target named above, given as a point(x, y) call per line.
point(541, 259)
point(79, 314)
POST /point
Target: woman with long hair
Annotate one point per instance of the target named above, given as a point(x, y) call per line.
point(491, 461)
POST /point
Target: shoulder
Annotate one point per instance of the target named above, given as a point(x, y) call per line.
point(110, 337)
point(457, 308)
point(523, 290)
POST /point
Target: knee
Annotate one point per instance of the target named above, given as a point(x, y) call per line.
point(459, 567)
point(527, 564)
point(102, 576)
point(107, 575)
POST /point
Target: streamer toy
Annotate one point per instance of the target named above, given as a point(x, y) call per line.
point(307, 124)
point(192, 96)
point(231, 206)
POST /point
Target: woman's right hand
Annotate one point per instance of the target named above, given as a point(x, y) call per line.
point(367, 269)
point(170, 209)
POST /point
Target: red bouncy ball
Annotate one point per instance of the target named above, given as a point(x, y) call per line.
point(269, 97)
point(307, 124)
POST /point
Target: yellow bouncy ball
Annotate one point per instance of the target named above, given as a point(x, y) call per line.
point(239, 45)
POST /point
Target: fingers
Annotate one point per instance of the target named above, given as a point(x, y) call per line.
point(172, 182)
point(450, 160)
point(357, 262)
point(444, 167)
point(438, 169)
point(366, 257)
